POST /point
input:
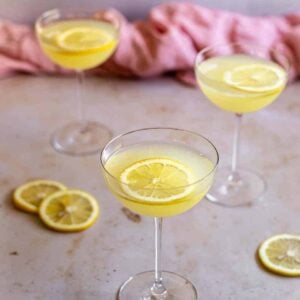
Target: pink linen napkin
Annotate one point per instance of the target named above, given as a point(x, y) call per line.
point(167, 41)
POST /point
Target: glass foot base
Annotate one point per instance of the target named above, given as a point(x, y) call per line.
point(81, 138)
point(138, 287)
point(249, 188)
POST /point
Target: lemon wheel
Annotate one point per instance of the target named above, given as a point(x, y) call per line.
point(69, 211)
point(81, 39)
point(157, 180)
point(29, 196)
point(256, 77)
point(281, 254)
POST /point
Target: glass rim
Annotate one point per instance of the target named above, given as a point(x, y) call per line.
point(161, 128)
point(286, 67)
point(83, 14)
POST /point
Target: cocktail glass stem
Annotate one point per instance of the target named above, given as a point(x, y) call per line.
point(80, 81)
point(234, 177)
point(158, 290)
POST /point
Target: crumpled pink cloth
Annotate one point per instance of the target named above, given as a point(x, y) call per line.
point(167, 41)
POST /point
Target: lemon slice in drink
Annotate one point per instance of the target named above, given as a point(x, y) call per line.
point(281, 254)
point(83, 39)
point(256, 77)
point(157, 180)
point(69, 211)
point(29, 196)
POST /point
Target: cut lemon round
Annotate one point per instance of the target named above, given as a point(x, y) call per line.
point(29, 196)
point(281, 254)
point(69, 211)
point(256, 77)
point(157, 180)
point(83, 39)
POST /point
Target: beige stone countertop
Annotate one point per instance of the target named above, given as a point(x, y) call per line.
point(212, 246)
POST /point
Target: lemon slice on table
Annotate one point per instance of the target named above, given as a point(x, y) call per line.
point(256, 77)
point(70, 210)
point(29, 196)
point(83, 39)
point(157, 180)
point(281, 254)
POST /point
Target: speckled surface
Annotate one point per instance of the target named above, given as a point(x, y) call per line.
point(212, 246)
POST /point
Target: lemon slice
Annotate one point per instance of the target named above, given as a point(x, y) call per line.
point(83, 39)
point(157, 180)
point(281, 254)
point(256, 77)
point(29, 196)
point(70, 210)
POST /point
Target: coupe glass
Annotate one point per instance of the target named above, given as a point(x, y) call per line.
point(222, 73)
point(184, 150)
point(78, 41)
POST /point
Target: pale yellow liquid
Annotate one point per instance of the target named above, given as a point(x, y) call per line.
point(77, 60)
point(200, 165)
point(210, 76)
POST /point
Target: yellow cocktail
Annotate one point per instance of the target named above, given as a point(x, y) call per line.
point(78, 41)
point(240, 78)
point(78, 44)
point(240, 83)
point(158, 179)
point(159, 172)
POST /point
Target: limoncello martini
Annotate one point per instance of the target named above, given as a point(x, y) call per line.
point(240, 83)
point(78, 44)
point(159, 179)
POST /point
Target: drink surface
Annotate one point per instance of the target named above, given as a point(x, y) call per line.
point(78, 44)
point(159, 179)
point(240, 83)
